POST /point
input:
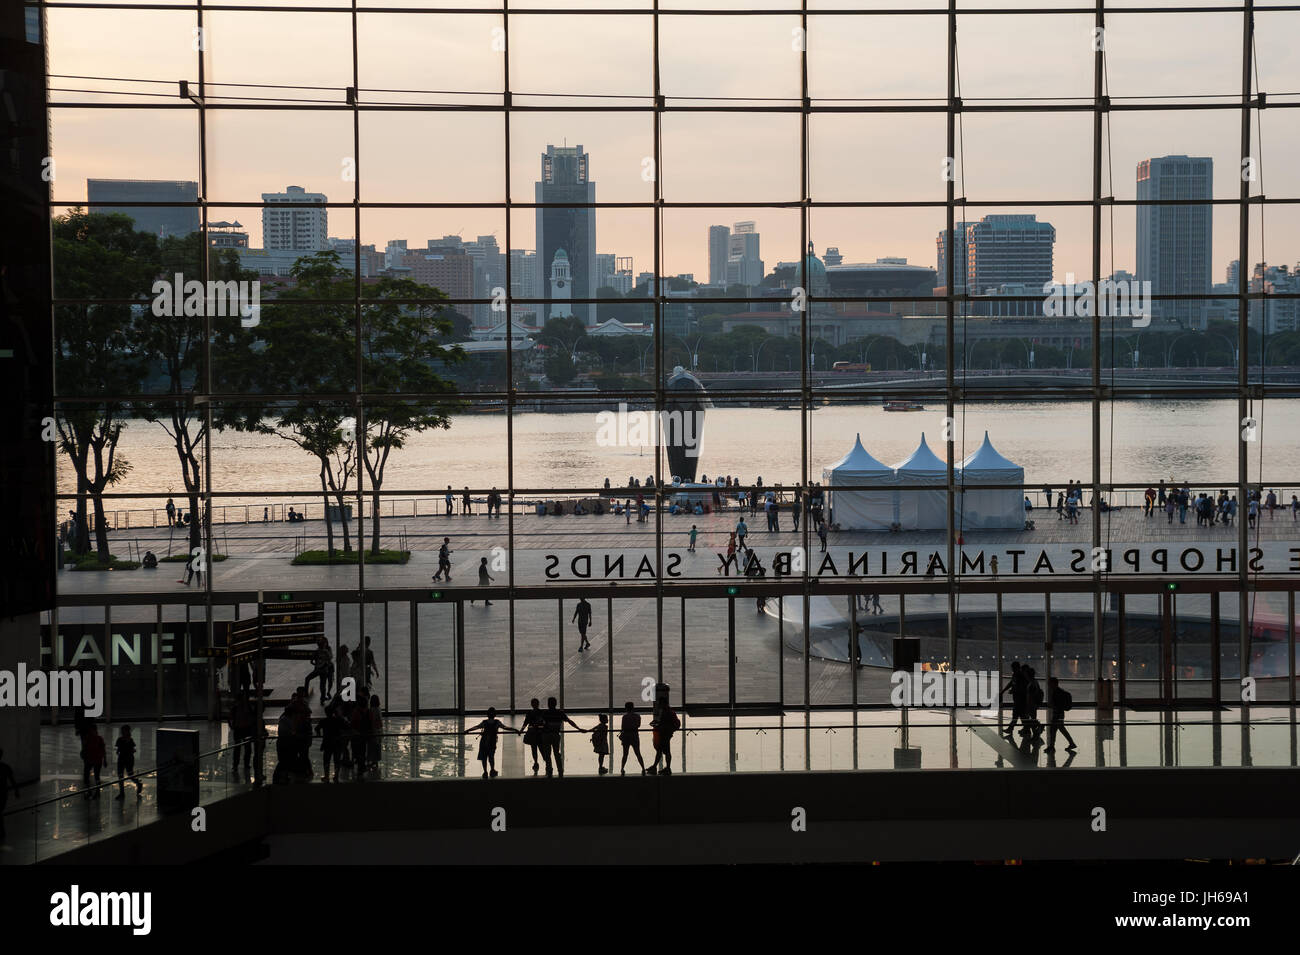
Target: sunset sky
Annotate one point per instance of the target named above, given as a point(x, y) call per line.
point(707, 157)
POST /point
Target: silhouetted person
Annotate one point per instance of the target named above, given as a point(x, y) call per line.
point(94, 755)
point(1016, 686)
point(665, 725)
point(125, 747)
point(600, 742)
point(629, 734)
point(487, 744)
point(1060, 700)
point(322, 668)
point(332, 729)
point(535, 732)
point(7, 781)
point(1033, 700)
point(553, 735)
point(582, 614)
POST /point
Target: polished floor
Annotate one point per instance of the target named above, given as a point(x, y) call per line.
point(56, 814)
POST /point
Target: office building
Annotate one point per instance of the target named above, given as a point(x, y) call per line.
point(566, 178)
point(159, 221)
point(1174, 242)
point(294, 219)
point(719, 253)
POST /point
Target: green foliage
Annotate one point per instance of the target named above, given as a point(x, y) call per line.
point(320, 557)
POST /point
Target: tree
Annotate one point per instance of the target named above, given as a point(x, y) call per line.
point(175, 343)
point(301, 349)
point(98, 354)
point(559, 366)
point(402, 347)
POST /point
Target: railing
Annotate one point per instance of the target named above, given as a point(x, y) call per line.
point(938, 738)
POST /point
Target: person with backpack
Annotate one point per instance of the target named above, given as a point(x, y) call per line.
point(664, 725)
point(1061, 701)
point(1017, 686)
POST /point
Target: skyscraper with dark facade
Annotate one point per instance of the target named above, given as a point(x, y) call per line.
point(566, 178)
point(719, 252)
point(159, 221)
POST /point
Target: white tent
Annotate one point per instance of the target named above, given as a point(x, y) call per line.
point(922, 506)
point(868, 509)
point(988, 506)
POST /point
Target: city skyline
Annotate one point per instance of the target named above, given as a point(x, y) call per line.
point(878, 157)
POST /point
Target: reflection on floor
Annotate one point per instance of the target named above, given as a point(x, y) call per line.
point(56, 814)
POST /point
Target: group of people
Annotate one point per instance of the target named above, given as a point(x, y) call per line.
point(543, 732)
point(1026, 699)
point(94, 756)
point(359, 664)
point(1210, 509)
point(350, 732)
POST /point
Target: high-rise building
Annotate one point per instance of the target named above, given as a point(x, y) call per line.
point(719, 253)
point(523, 283)
point(1174, 242)
point(566, 178)
point(159, 221)
point(447, 268)
point(744, 266)
point(606, 266)
point(489, 274)
point(958, 260)
point(294, 219)
point(1009, 250)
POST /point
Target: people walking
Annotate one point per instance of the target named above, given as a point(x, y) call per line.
point(534, 729)
point(582, 614)
point(94, 756)
point(1033, 700)
point(487, 744)
point(730, 562)
point(125, 747)
point(444, 560)
point(1060, 700)
point(322, 669)
point(629, 734)
point(694, 533)
point(484, 578)
point(1017, 687)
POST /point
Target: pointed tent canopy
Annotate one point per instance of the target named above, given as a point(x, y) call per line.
point(991, 507)
point(921, 461)
point(922, 506)
point(857, 461)
point(866, 508)
point(986, 459)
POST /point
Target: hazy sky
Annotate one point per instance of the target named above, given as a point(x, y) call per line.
point(707, 157)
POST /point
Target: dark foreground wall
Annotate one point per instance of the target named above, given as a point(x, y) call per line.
point(861, 817)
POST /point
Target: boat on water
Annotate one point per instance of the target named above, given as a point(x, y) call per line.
point(904, 406)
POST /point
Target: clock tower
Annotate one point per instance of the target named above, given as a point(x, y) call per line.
point(561, 286)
